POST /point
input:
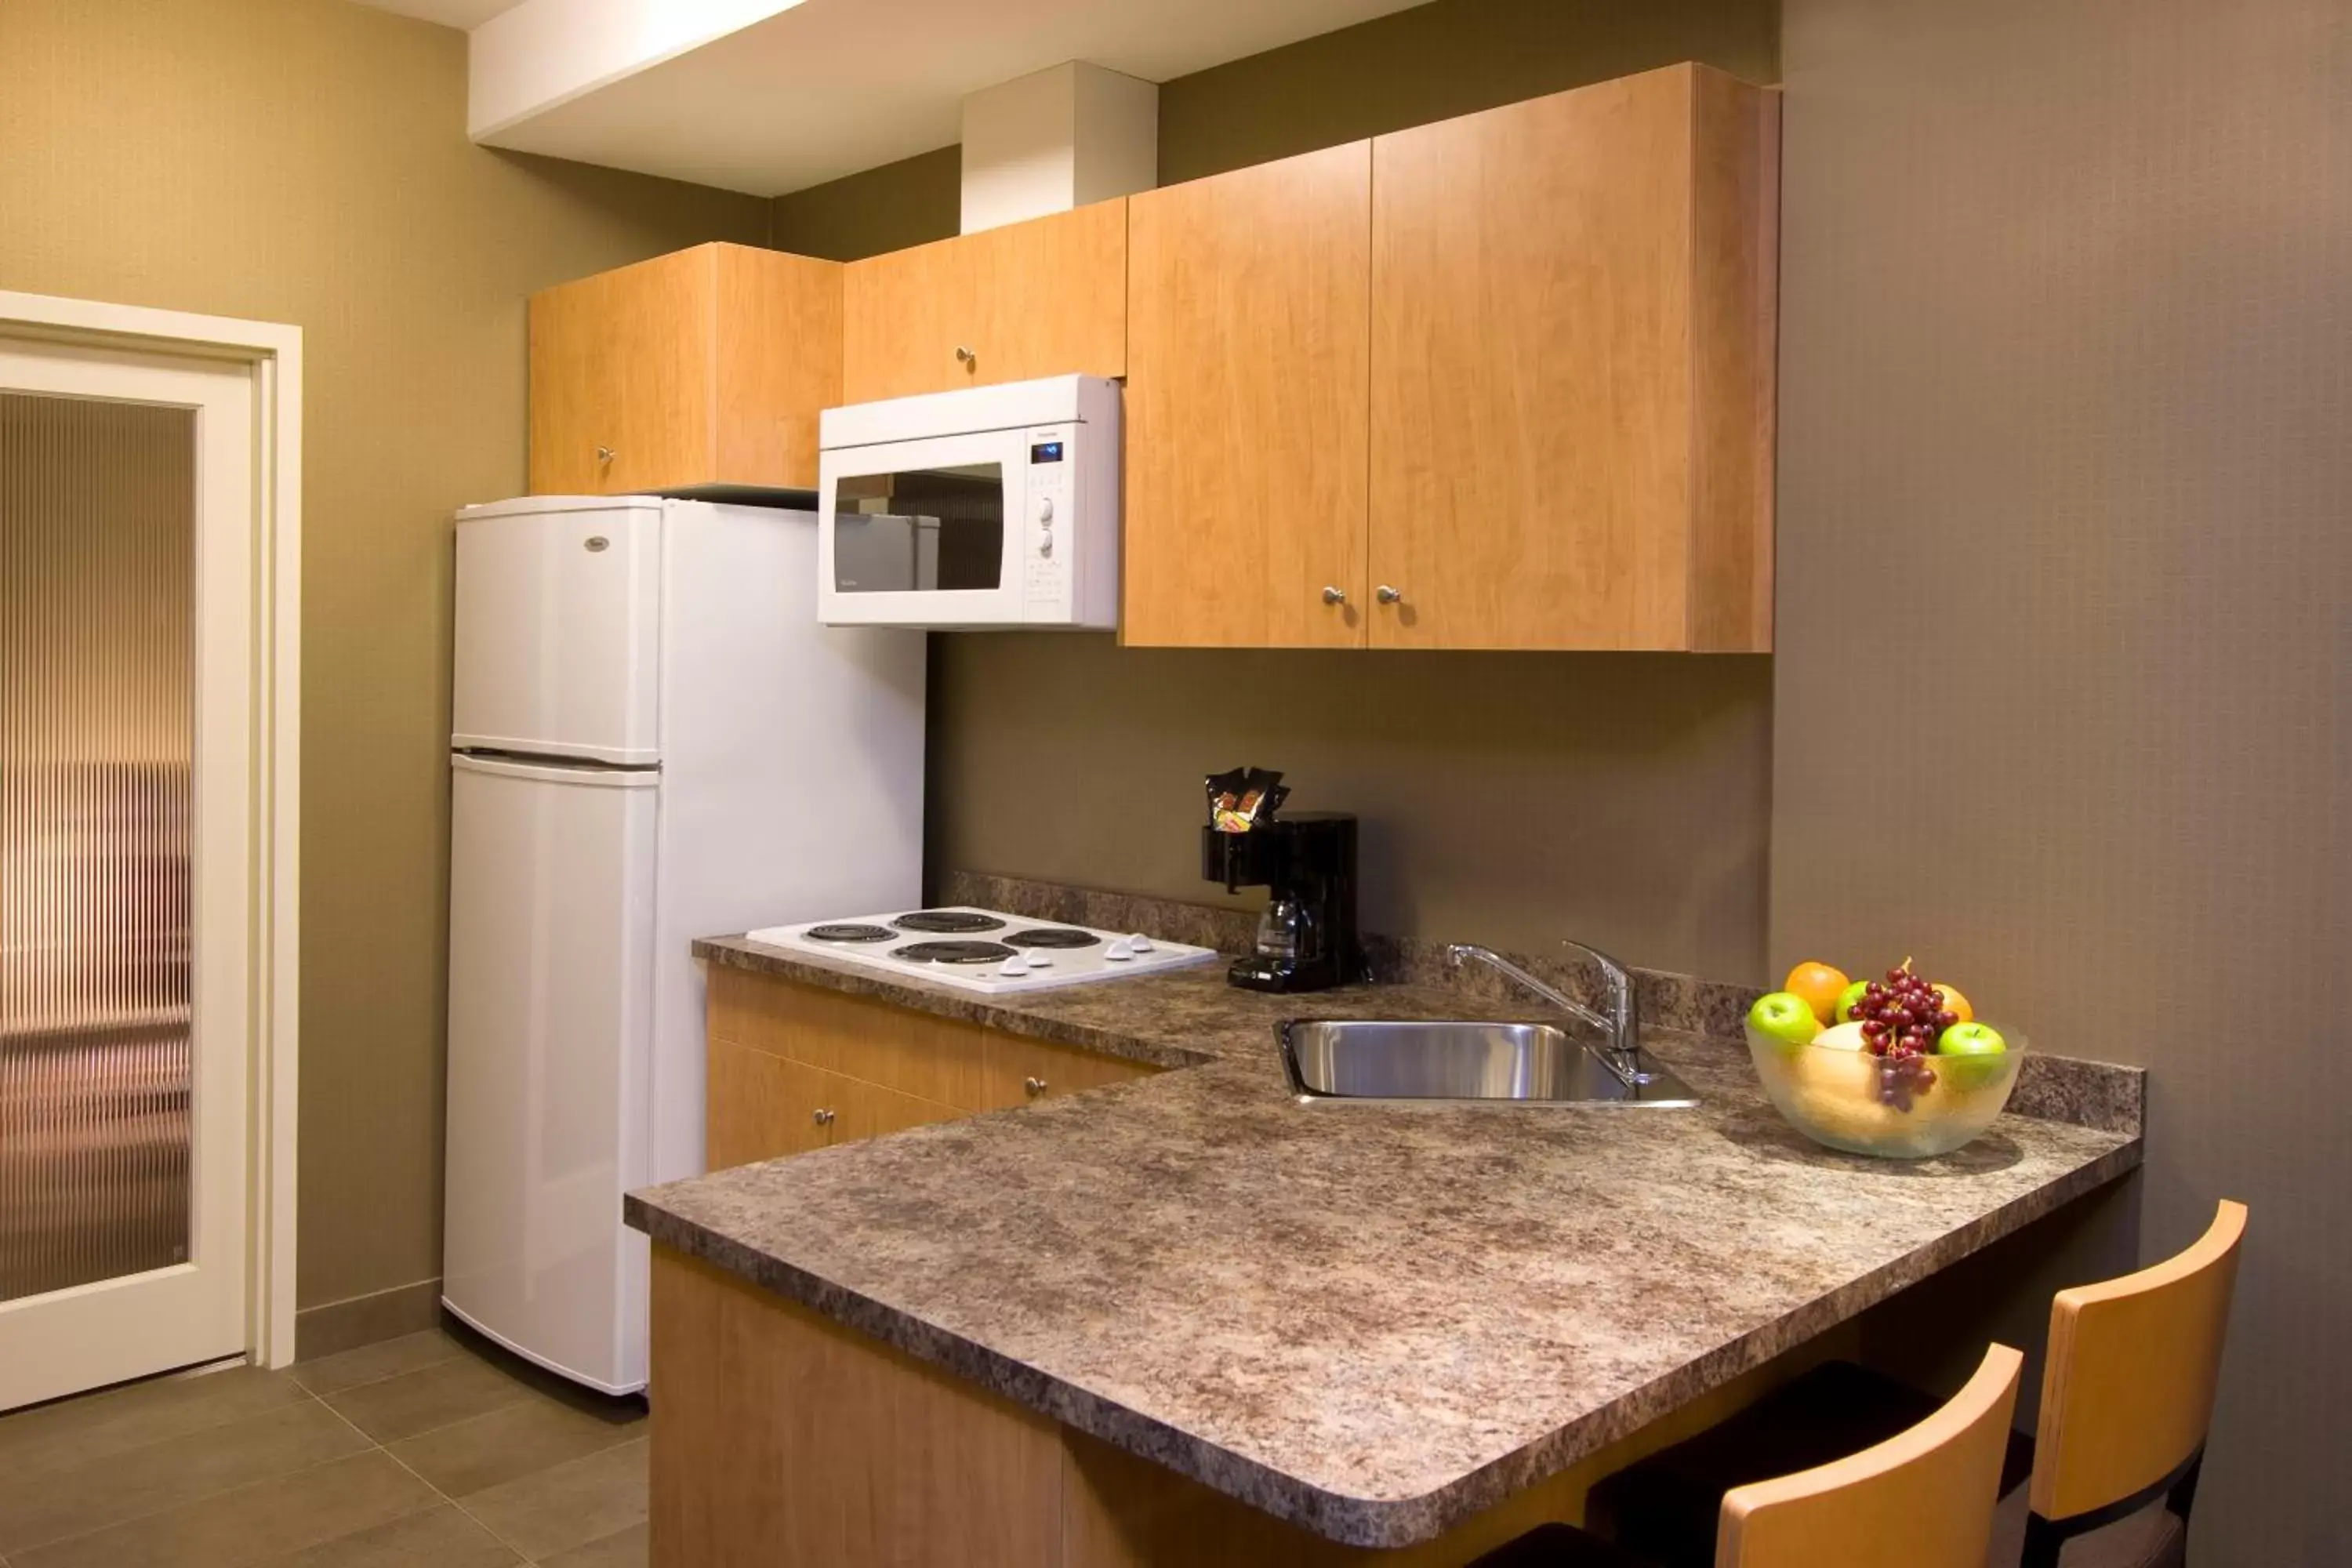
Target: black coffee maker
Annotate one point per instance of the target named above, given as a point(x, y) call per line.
point(1307, 937)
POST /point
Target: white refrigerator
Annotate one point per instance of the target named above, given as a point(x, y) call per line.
point(653, 739)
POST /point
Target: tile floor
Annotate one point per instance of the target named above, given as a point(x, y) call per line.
point(437, 1451)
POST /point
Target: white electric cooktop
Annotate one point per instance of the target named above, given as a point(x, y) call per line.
point(984, 950)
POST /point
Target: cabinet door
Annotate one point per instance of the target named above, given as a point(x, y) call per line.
point(1042, 298)
point(1246, 400)
point(620, 378)
point(1532, 414)
point(761, 1107)
point(778, 343)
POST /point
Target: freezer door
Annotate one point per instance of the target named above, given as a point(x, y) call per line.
point(559, 634)
point(550, 1023)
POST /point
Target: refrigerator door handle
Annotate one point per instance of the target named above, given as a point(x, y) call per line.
point(583, 773)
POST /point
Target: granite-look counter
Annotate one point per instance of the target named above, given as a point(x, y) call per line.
point(1371, 1321)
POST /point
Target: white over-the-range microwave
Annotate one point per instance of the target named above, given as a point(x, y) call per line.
point(993, 506)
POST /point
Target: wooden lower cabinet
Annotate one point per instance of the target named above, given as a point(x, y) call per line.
point(761, 1106)
point(782, 1439)
point(794, 1068)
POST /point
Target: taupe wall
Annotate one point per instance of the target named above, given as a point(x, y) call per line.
point(1506, 798)
point(910, 201)
point(1623, 800)
point(306, 161)
point(1434, 61)
point(2066, 319)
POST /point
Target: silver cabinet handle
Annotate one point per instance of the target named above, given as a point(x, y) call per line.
point(1388, 595)
point(604, 454)
point(1034, 1085)
point(965, 356)
point(825, 1119)
point(1335, 595)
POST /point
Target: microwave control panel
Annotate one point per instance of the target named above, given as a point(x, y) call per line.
point(1049, 546)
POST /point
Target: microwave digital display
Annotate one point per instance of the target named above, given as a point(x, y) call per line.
point(1046, 452)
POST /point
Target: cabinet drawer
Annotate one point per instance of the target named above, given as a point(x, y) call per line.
point(1021, 1070)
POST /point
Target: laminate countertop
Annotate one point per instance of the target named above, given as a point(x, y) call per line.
point(1372, 1320)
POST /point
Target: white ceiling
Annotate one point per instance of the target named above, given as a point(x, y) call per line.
point(831, 87)
point(465, 15)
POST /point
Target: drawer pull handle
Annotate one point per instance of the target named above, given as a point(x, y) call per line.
point(965, 356)
point(1034, 1085)
point(1335, 595)
point(604, 454)
point(825, 1119)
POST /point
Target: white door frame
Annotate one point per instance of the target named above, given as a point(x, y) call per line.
point(274, 352)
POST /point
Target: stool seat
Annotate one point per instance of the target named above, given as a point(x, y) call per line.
point(1559, 1546)
point(1664, 1507)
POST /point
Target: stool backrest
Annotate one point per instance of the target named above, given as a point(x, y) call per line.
point(1923, 1499)
point(2129, 1391)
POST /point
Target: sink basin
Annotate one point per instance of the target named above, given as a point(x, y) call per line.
point(1526, 1064)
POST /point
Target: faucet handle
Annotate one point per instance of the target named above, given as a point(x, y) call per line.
point(1620, 981)
point(1609, 966)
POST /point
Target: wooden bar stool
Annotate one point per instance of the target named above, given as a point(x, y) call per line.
point(1923, 1499)
point(2126, 1396)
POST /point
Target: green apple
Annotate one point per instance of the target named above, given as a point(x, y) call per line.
point(1786, 1016)
point(1849, 998)
point(1970, 1039)
point(1845, 1037)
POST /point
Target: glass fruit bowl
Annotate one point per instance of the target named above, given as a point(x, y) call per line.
point(1866, 1105)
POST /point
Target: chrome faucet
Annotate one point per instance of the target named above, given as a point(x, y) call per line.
point(1622, 1026)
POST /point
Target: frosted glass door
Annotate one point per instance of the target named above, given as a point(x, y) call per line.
point(97, 557)
point(126, 690)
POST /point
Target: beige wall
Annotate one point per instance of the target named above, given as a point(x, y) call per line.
point(1519, 799)
point(306, 161)
point(2066, 319)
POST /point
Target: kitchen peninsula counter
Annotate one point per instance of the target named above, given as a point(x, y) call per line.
point(1373, 1321)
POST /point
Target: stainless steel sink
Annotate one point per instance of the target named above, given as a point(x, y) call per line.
point(1534, 1064)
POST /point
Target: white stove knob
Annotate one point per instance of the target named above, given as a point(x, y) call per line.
point(1013, 968)
point(1038, 958)
point(1139, 942)
point(1045, 542)
point(1120, 951)
point(1044, 508)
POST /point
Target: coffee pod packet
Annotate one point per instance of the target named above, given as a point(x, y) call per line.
point(1241, 798)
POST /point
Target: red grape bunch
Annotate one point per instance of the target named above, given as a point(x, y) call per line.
point(1900, 1021)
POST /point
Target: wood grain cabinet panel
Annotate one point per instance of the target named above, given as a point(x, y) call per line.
point(1047, 297)
point(869, 1110)
point(1022, 1070)
point(760, 1107)
point(794, 1068)
point(930, 1057)
point(1247, 407)
point(707, 366)
point(1570, 370)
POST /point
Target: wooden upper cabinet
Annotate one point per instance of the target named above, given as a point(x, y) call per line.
point(1572, 370)
point(1246, 400)
point(704, 367)
point(1047, 297)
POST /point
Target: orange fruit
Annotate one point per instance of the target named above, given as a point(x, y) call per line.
point(1954, 1003)
point(1820, 985)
